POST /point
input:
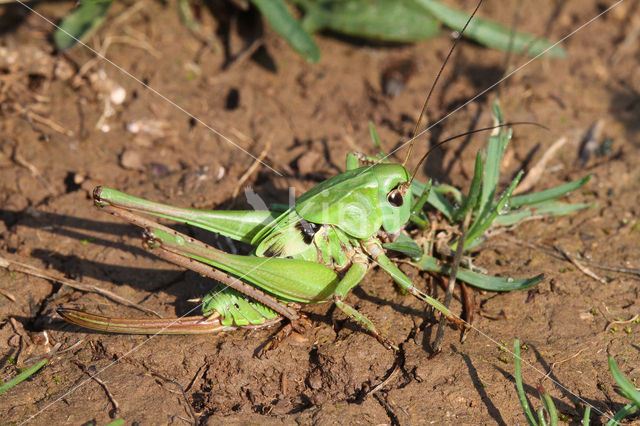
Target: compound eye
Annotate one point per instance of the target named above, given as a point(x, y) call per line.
point(395, 198)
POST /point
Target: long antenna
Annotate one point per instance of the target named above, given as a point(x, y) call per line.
point(433, 86)
point(470, 132)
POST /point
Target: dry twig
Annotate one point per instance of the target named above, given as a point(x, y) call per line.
point(549, 251)
point(7, 295)
point(386, 380)
point(251, 169)
point(612, 323)
point(92, 376)
point(184, 394)
point(579, 265)
point(537, 171)
point(43, 120)
point(553, 365)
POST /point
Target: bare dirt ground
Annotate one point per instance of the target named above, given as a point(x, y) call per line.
point(60, 136)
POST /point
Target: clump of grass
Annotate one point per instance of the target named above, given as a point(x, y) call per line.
point(548, 413)
point(487, 207)
point(385, 20)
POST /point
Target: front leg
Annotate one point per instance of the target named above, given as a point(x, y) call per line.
point(374, 249)
point(353, 276)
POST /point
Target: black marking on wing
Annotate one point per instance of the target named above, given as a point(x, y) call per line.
point(271, 251)
point(308, 230)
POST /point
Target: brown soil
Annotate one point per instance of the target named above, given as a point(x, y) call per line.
point(307, 117)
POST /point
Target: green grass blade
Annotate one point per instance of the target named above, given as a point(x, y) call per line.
point(541, 419)
point(389, 20)
point(624, 383)
point(439, 201)
point(80, 23)
point(484, 282)
point(475, 243)
point(445, 189)
point(586, 419)
point(375, 139)
point(474, 190)
point(519, 388)
point(23, 375)
point(420, 222)
point(548, 194)
point(547, 401)
point(478, 228)
point(547, 208)
point(561, 209)
point(186, 15)
point(491, 172)
point(407, 247)
point(283, 22)
point(419, 204)
point(512, 218)
point(625, 411)
point(436, 196)
point(491, 34)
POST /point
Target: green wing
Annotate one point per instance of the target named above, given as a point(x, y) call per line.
point(286, 238)
point(348, 201)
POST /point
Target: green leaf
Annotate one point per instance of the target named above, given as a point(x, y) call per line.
point(80, 23)
point(187, 16)
point(492, 34)
point(624, 412)
point(376, 139)
point(419, 204)
point(435, 198)
point(540, 412)
point(479, 227)
point(550, 208)
point(491, 172)
point(550, 407)
point(429, 263)
point(474, 190)
point(624, 383)
point(519, 388)
point(587, 416)
point(23, 375)
point(282, 22)
point(406, 246)
point(445, 189)
point(548, 194)
point(443, 205)
point(389, 20)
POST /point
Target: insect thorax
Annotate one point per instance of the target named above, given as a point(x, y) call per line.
point(293, 237)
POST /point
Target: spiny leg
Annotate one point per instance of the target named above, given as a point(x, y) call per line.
point(297, 321)
point(181, 326)
point(286, 331)
point(166, 251)
point(353, 276)
point(374, 249)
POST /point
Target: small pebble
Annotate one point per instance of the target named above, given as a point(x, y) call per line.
point(118, 95)
point(130, 159)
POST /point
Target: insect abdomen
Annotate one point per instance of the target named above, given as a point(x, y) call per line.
point(235, 308)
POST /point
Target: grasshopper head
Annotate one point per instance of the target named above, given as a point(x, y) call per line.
point(393, 196)
point(360, 201)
